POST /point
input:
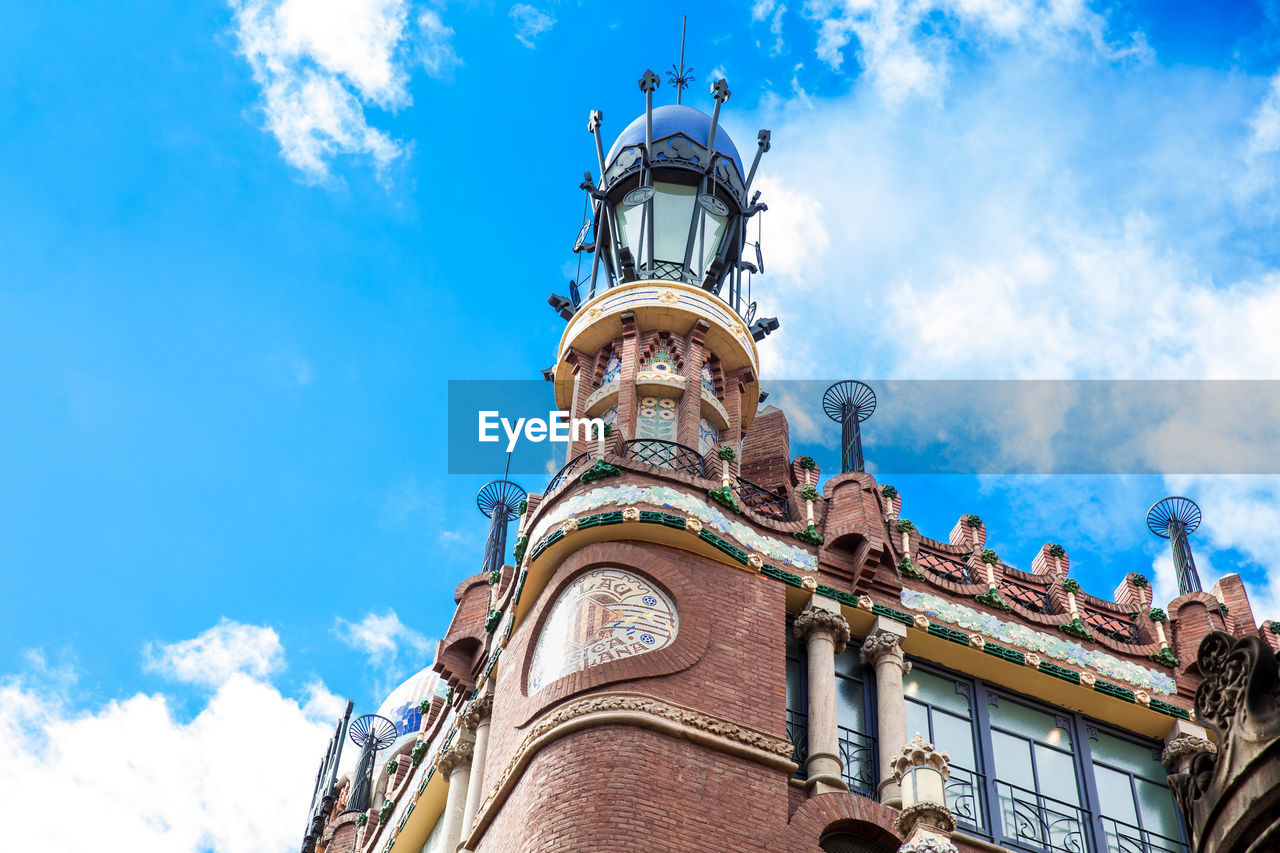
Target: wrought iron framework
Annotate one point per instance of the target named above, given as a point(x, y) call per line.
point(1040, 822)
point(760, 500)
point(1118, 628)
point(798, 734)
point(1175, 518)
point(577, 462)
point(665, 454)
point(849, 403)
point(500, 501)
point(945, 567)
point(372, 734)
point(857, 761)
point(326, 783)
point(1033, 598)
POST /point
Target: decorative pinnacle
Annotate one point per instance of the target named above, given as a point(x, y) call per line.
point(919, 753)
point(720, 90)
point(649, 82)
point(681, 77)
point(594, 121)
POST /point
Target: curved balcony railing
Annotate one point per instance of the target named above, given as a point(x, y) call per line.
point(798, 734)
point(952, 570)
point(665, 454)
point(579, 461)
point(1033, 598)
point(857, 762)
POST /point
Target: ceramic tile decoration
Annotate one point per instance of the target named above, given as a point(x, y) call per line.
point(612, 371)
point(603, 616)
point(708, 436)
point(656, 418)
point(1056, 647)
point(708, 381)
point(665, 497)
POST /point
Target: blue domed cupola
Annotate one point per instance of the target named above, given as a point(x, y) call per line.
point(672, 203)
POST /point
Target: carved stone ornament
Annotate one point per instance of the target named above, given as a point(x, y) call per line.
point(814, 619)
point(879, 644)
point(1232, 799)
point(478, 711)
point(1186, 746)
point(929, 845)
point(693, 525)
point(920, 753)
point(630, 514)
point(454, 757)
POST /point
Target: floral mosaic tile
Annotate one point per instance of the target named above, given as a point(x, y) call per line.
point(1049, 645)
point(674, 499)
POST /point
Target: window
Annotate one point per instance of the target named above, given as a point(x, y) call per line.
point(940, 708)
point(854, 715)
point(1136, 807)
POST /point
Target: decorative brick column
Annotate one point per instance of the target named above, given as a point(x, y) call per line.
point(476, 720)
point(883, 650)
point(825, 633)
point(455, 764)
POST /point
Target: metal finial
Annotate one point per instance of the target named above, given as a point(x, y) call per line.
point(1174, 518)
point(649, 81)
point(681, 77)
point(849, 403)
point(371, 733)
point(499, 501)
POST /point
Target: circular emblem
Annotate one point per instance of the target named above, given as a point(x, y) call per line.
point(639, 195)
point(582, 237)
point(649, 601)
point(713, 205)
point(647, 639)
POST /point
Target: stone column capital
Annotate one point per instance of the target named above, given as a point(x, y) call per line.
point(1186, 746)
point(814, 620)
point(478, 712)
point(883, 645)
point(456, 756)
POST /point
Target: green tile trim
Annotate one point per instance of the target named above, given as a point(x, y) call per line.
point(890, 613)
point(777, 574)
point(957, 637)
point(717, 541)
point(1059, 672)
point(833, 593)
point(1116, 690)
point(1011, 655)
point(1170, 710)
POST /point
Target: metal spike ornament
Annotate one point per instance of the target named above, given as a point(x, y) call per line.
point(372, 734)
point(681, 77)
point(849, 403)
point(1175, 518)
point(499, 501)
point(326, 784)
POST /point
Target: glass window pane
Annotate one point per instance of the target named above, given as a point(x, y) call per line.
point(1022, 720)
point(1013, 760)
point(954, 736)
point(629, 219)
point(918, 721)
point(1057, 773)
point(1158, 812)
point(672, 214)
point(1115, 795)
point(707, 244)
point(850, 710)
point(940, 692)
point(1126, 755)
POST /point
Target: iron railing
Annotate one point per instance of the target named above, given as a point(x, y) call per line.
point(1121, 837)
point(760, 500)
point(1120, 629)
point(946, 567)
point(1033, 821)
point(798, 734)
point(858, 762)
point(1032, 598)
point(964, 790)
point(568, 470)
point(666, 454)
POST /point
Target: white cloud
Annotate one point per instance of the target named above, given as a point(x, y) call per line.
point(236, 778)
point(908, 46)
point(213, 657)
point(530, 22)
point(773, 12)
point(381, 637)
point(320, 62)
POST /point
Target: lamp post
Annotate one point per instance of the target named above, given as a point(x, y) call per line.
point(925, 823)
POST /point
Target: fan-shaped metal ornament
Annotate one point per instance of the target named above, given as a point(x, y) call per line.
point(371, 728)
point(850, 393)
point(1173, 509)
point(504, 493)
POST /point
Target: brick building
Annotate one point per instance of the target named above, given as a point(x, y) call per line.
point(700, 643)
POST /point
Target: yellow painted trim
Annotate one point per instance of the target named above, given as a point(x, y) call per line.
point(426, 813)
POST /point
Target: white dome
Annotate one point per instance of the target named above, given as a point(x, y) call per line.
point(401, 707)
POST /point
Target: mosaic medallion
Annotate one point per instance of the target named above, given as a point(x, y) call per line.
point(603, 616)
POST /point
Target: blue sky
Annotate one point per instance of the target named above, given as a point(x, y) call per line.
point(246, 244)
